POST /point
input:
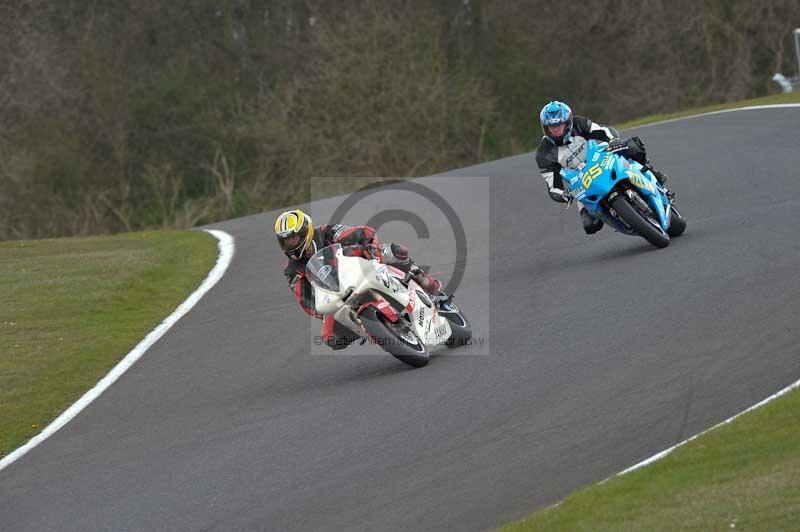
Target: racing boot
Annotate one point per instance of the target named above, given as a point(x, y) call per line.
point(662, 178)
point(590, 224)
point(335, 335)
point(428, 283)
point(397, 255)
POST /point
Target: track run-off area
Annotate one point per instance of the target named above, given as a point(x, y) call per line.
point(597, 353)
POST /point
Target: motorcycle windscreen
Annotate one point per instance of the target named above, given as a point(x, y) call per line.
point(322, 268)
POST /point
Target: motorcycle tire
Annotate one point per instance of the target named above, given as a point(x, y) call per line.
point(396, 338)
point(645, 228)
point(677, 223)
point(459, 325)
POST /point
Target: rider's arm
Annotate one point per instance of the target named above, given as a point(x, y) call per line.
point(303, 291)
point(350, 235)
point(361, 238)
point(547, 159)
point(589, 130)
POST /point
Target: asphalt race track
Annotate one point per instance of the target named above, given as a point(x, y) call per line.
point(600, 351)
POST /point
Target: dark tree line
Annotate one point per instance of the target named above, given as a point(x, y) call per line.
point(120, 115)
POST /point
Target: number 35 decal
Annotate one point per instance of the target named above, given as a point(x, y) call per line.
point(590, 175)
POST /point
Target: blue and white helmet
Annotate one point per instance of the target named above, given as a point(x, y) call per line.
point(556, 113)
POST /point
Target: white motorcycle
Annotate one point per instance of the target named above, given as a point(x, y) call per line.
point(379, 302)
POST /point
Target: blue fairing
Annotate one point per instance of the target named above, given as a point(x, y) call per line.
point(602, 174)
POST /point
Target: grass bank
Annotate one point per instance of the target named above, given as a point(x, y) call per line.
point(71, 308)
point(742, 476)
point(792, 97)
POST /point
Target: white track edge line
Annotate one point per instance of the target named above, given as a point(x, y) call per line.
point(661, 454)
point(667, 451)
point(226, 251)
point(747, 108)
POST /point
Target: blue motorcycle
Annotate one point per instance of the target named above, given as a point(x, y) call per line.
point(624, 195)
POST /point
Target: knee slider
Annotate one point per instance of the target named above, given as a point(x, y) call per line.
point(395, 254)
point(636, 150)
point(593, 227)
point(400, 251)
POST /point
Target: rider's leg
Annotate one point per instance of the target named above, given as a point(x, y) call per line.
point(637, 152)
point(590, 224)
point(661, 177)
point(335, 335)
point(397, 256)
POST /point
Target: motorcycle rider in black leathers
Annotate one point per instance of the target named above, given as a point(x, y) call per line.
point(299, 240)
point(564, 144)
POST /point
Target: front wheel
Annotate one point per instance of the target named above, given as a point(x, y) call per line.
point(396, 338)
point(677, 223)
point(644, 225)
point(459, 324)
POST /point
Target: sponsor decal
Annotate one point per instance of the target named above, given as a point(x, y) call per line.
point(590, 175)
point(324, 272)
point(424, 297)
point(388, 281)
point(412, 302)
point(641, 182)
point(578, 151)
point(421, 318)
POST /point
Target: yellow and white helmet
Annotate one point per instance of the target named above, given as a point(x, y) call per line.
point(295, 232)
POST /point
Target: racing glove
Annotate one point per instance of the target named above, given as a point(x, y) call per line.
point(561, 196)
point(616, 145)
point(373, 251)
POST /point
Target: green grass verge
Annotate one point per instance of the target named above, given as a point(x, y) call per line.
point(741, 476)
point(792, 97)
point(71, 308)
point(745, 474)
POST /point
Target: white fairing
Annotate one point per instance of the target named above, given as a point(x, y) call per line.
point(364, 275)
point(326, 301)
point(432, 328)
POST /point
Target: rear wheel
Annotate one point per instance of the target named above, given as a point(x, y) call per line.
point(644, 224)
point(677, 223)
point(396, 338)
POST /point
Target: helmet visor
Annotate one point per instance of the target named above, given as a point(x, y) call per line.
point(293, 243)
point(557, 130)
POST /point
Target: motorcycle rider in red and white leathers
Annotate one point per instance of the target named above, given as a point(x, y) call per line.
point(299, 240)
point(564, 145)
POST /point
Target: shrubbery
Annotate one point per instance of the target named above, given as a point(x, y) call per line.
point(124, 115)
